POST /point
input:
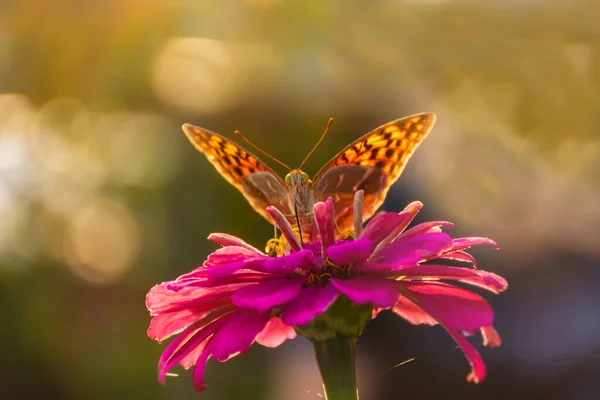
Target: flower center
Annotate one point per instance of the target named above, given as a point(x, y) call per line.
point(330, 270)
point(279, 247)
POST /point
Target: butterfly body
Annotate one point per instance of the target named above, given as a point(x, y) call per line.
point(301, 194)
point(293, 196)
point(372, 163)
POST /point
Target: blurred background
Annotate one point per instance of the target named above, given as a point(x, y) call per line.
point(102, 196)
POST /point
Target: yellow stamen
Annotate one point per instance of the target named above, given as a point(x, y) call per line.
point(305, 237)
point(275, 247)
point(327, 275)
point(279, 246)
point(333, 266)
point(314, 278)
point(347, 233)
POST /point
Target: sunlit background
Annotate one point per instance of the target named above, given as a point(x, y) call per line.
point(102, 196)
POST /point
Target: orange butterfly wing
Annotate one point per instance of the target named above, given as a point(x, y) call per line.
point(382, 154)
point(257, 182)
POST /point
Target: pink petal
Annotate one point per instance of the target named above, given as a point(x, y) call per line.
point(369, 267)
point(478, 370)
point(465, 243)
point(412, 312)
point(413, 209)
point(376, 312)
point(234, 281)
point(408, 214)
point(286, 229)
point(193, 356)
point(359, 212)
point(187, 342)
point(482, 279)
point(225, 239)
point(227, 260)
point(406, 251)
point(226, 270)
point(459, 256)
point(491, 337)
point(381, 226)
point(275, 333)
point(350, 252)
point(237, 334)
point(190, 298)
point(365, 289)
point(175, 345)
point(231, 254)
point(198, 376)
point(159, 298)
point(284, 265)
point(311, 301)
point(324, 217)
point(265, 295)
point(457, 307)
point(164, 326)
point(426, 227)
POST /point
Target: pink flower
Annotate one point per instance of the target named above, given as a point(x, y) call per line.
point(241, 295)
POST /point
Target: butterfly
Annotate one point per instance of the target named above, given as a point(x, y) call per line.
point(371, 163)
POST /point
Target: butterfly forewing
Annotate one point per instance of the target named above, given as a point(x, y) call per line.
point(258, 183)
point(388, 149)
point(372, 163)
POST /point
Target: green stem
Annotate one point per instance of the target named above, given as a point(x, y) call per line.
point(336, 360)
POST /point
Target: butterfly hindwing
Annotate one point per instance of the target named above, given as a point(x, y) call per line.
point(258, 183)
point(342, 182)
point(387, 149)
point(264, 189)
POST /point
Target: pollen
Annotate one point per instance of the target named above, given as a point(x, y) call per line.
point(321, 278)
point(347, 234)
point(275, 247)
point(280, 246)
point(330, 271)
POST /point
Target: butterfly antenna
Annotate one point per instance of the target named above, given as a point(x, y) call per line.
point(318, 143)
point(239, 134)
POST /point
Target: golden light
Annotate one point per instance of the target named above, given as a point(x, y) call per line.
point(12, 222)
point(195, 74)
point(102, 242)
point(205, 76)
point(138, 149)
point(490, 176)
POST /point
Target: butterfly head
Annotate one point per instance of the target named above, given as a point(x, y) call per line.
point(300, 194)
point(296, 178)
